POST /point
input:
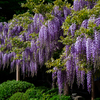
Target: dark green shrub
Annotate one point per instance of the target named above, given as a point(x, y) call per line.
point(52, 91)
point(16, 96)
point(97, 99)
point(58, 97)
point(7, 89)
point(33, 93)
point(28, 94)
point(31, 98)
point(43, 88)
point(49, 93)
point(45, 96)
point(41, 93)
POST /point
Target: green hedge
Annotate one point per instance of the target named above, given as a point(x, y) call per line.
point(7, 89)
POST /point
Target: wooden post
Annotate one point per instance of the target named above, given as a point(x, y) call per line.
point(92, 92)
point(17, 73)
point(66, 89)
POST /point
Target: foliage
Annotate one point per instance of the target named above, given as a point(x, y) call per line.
point(50, 93)
point(58, 97)
point(34, 93)
point(8, 88)
point(47, 8)
point(17, 90)
point(36, 5)
point(58, 63)
point(77, 18)
point(41, 93)
point(17, 96)
point(28, 94)
point(21, 20)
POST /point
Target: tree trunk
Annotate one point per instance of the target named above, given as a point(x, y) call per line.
point(66, 89)
point(92, 92)
point(17, 73)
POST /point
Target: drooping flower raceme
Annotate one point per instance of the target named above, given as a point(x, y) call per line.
point(88, 49)
point(89, 76)
point(80, 4)
point(60, 80)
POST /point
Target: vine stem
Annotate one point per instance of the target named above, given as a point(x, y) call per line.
point(92, 92)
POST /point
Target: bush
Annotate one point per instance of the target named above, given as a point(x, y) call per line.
point(7, 89)
point(28, 94)
point(54, 90)
point(16, 96)
point(51, 92)
point(39, 93)
point(48, 94)
point(58, 97)
point(33, 93)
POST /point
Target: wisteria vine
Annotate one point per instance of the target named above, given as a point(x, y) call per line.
point(84, 55)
